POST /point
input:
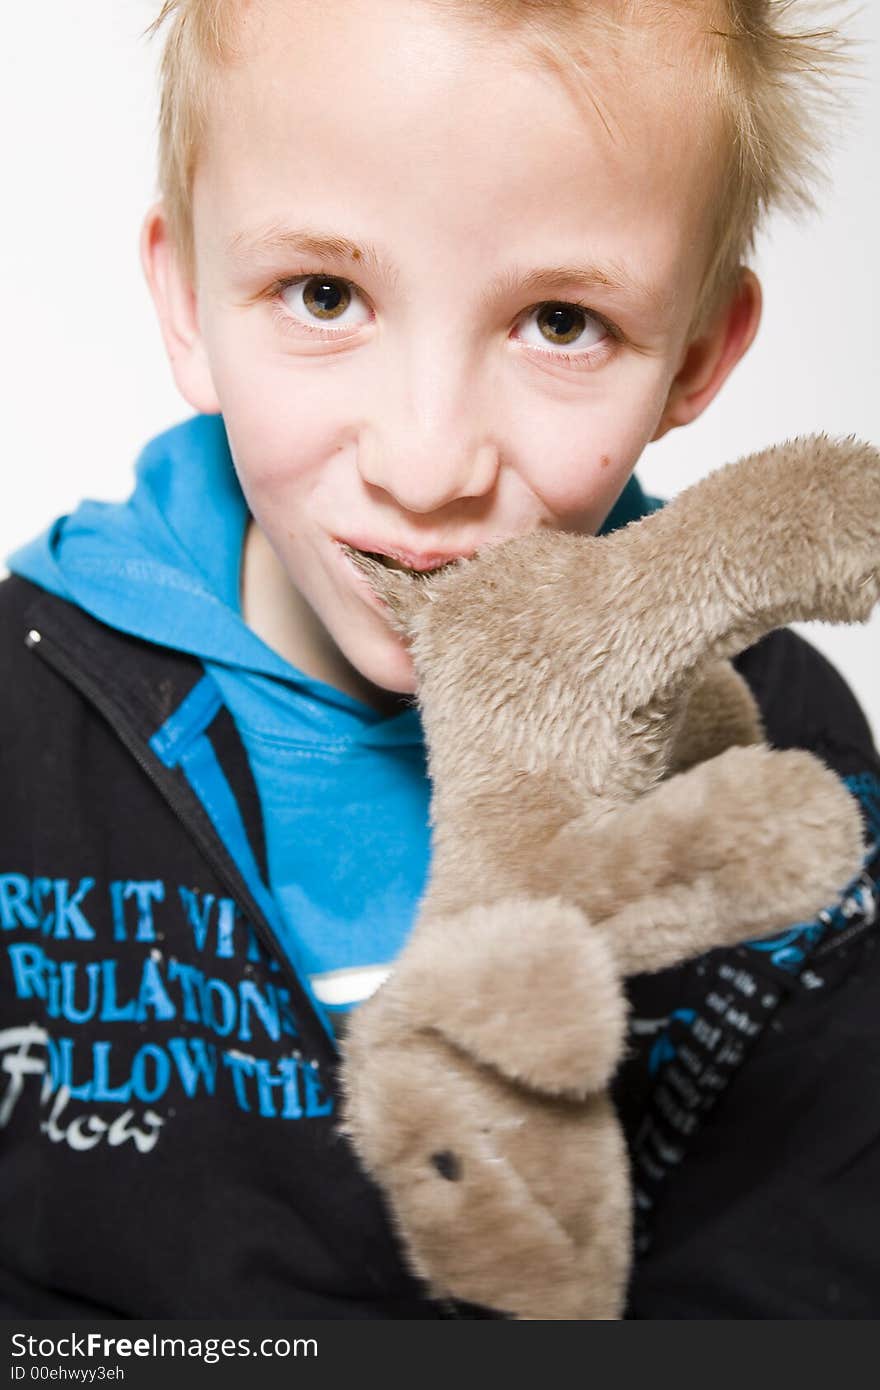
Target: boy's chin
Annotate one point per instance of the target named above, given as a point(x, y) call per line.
point(387, 665)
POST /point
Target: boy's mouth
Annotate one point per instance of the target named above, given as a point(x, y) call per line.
point(404, 561)
point(391, 562)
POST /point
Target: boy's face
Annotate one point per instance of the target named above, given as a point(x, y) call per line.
point(396, 221)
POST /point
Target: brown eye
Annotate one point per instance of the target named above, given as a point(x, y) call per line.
point(313, 299)
point(561, 323)
point(570, 327)
point(326, 298)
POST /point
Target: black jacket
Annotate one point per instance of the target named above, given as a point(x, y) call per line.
point(168, 1141)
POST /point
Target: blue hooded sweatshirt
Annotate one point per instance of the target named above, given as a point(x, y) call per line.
point(344, 790)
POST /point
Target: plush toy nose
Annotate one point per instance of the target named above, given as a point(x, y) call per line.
point(448, 1165)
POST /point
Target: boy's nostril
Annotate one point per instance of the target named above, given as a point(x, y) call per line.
point(448, 1165)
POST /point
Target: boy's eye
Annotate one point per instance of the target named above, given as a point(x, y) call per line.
point(323, 298)
point(564, 325)
point(314, 300)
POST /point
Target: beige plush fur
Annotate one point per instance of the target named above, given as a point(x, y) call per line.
point(602, 805)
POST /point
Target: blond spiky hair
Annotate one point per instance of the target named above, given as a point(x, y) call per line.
point(771, 70)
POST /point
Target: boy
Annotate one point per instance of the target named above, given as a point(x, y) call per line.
point(432, 274)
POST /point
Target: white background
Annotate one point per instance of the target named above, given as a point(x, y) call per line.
point(85, 380)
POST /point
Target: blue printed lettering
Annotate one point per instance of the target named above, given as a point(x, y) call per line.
point(198, 914)
point(15, 910)
point(103, 1091)
point(111, 1010)
point(28, 971)
point(198, 909)
point(161, 1066)
point(63, 1074)
point(43, 888)
point(241, 1066)
point(145, 892)
point(286, 1079)
point(292, 1080)
point(53, 981)
point(265, 1006)
point(69, 970)
point(224, 1021)
point(196, 1062)
point(153, 994)
point(192, 982)
point(317, 1100)
point(69, 920)
point(117, 906)
point(226, 928)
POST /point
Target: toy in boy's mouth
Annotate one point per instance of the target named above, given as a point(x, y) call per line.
point(418, 566)
point(398, 584)
point(387, 578)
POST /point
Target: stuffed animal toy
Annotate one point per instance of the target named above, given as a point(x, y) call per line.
point(602, 806)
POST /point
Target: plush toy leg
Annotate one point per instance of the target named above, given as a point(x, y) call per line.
point(523, 986)
point(738, 847)
point(482, 1233)
point(502, 1197)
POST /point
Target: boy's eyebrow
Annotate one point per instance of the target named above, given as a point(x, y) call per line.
point(276, 240)
point(611, 276)
point(246, 247)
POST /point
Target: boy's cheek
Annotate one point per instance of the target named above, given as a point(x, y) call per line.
point(579, 486)
point(280, 423)
point(276, 444)
point(577, 453)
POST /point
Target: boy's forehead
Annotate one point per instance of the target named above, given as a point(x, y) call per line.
point(331, 50)
point(405, 77)
point(651, 47)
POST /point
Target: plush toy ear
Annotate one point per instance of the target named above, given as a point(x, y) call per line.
point(406, 592)
point(791, 534)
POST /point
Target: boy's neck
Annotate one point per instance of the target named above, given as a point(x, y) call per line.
point(275, 610)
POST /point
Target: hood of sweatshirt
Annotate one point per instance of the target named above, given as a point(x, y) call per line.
point(164, 565)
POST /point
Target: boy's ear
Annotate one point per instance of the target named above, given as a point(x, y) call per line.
point(709, 358)
point(177, 307)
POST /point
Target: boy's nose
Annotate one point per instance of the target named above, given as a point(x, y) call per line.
point(429, 446)
point(425, 480)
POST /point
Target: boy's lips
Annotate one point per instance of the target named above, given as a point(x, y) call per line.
point(402, 558)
